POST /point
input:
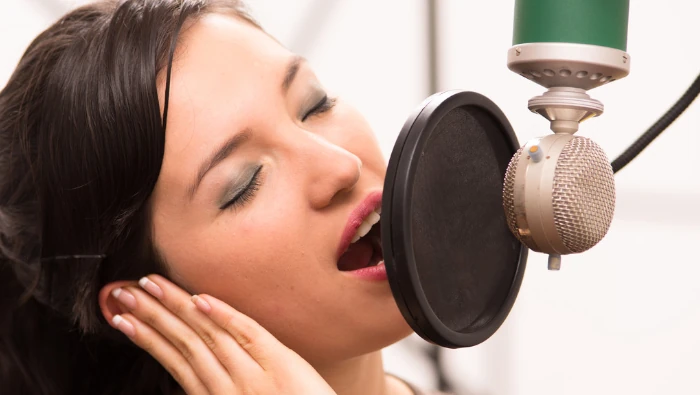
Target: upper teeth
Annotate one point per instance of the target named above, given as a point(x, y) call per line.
point(366, 225)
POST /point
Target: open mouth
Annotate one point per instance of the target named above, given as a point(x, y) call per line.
point(366, 248)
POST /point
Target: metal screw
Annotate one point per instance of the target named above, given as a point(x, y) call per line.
point(517, 51)
point(524, 232)
point(554, 262)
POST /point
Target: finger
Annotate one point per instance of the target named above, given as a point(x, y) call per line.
point(265, 349)
point(190, 346)
point(230, 354)
point(163, 352)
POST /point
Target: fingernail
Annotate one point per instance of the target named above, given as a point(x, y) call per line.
point(123, 325)
point(201, 304)
point(125, 297)
point(151, 287)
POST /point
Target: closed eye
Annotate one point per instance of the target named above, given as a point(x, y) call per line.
point(246, 194)
point(324, 105)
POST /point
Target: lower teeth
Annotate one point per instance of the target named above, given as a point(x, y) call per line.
point(375, 263)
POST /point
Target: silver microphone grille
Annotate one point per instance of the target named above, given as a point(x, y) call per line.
point(508, 195)
point(583, 195)
point(566, 204)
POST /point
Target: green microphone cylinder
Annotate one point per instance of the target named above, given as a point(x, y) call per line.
point(593, 22)
point(569, 47)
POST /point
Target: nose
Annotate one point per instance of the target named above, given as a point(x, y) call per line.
point(332, 170)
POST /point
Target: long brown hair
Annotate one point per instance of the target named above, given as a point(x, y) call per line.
point(81, 145)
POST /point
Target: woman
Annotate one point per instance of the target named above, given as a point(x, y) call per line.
point(151, 150)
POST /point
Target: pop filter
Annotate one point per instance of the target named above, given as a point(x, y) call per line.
point(453, 265)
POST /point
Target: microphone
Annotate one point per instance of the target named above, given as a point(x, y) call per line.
point(464, 201)
point(559, 190)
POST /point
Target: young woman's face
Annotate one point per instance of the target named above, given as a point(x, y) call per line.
point(259, 223)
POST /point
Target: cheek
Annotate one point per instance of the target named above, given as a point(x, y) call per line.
point(267, 267)
point(243, 253)
point(354, 134)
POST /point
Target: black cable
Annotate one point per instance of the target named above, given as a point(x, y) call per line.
point(655, 130)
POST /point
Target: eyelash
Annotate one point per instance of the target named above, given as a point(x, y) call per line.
point(247, 194)
point(324, 105)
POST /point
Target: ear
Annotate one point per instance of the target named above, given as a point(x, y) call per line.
point(108, 303)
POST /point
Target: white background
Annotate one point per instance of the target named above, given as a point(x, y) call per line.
point(623, 318)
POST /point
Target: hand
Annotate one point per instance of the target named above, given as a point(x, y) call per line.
point(209, 347)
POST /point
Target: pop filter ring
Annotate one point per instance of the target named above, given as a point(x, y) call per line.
point(396, 209)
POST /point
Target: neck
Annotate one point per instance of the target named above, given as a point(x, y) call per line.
point(362, 375)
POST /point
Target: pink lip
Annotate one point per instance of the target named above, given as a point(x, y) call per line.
point(372, 202)
point(375, 273)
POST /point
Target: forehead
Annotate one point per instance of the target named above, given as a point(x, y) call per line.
point(224, 68)
point(219, 49)
point(225, 73)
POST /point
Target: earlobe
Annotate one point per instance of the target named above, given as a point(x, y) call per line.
point(108, 303)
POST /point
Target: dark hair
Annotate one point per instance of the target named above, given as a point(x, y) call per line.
point(81, 146)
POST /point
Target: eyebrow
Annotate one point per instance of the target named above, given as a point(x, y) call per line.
point(234, 142)
point(291, 72)
point(217, 157)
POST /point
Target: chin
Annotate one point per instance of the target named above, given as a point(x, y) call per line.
point(383, 338)
point(392, 320)
point(375, 330)
point(399, 326)
point(400, 332)
point(387, 329)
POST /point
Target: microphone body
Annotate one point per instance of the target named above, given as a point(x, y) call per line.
point(559, 190)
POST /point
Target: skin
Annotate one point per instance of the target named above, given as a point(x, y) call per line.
point(273, 257)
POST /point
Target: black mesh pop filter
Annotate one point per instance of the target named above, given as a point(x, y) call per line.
point(453, 266)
